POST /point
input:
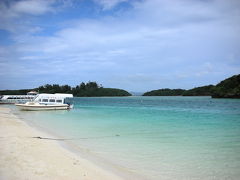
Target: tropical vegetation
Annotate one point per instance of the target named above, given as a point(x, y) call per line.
point(165, 92)
point(199, 91)
point(90, 89)
point(228, 88)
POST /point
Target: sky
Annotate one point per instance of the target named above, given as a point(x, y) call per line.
point(136, 45)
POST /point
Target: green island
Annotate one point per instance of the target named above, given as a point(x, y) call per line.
point(165, 92)
point(228, 88)
point(90, 89)
point(199, 91)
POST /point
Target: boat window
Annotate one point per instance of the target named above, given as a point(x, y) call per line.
point(59, 101)
point(45, 100)
point(52, 100)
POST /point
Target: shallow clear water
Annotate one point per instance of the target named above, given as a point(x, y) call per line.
point(157, 137)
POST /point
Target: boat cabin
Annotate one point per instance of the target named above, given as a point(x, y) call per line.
point(57, 98)
point(12, 99)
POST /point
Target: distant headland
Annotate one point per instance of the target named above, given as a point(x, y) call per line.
point(228, 88)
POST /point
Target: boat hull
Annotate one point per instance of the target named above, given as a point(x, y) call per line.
point(1, 102)
point(41, 107)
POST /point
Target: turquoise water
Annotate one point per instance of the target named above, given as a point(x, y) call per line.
point(156, 137)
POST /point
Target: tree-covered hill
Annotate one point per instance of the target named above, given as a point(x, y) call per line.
point(100, 92)
point(228, 88)
point(16, 92)
point(165, 92)
point(199, 91)
point(90, 89)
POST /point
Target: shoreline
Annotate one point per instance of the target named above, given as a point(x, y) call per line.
point(25, 156)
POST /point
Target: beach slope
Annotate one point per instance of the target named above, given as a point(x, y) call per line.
point(24, 157)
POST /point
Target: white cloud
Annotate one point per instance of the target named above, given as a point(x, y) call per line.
point(174, 39)
point(109, 4)
point(14, 14)
point(26, 7)
point(32, 7)
point(17, 16)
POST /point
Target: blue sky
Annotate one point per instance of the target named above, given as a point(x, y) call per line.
point(137, 45)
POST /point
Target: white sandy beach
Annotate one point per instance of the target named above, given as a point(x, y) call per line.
point(24, 157)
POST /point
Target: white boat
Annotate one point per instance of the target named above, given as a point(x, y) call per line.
point(47, 102)
point(12, 99)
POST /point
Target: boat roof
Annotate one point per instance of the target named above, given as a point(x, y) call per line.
point(56, 95)
point(17, 95)
point(32, 92)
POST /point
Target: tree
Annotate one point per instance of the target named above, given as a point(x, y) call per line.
point(82, 86)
